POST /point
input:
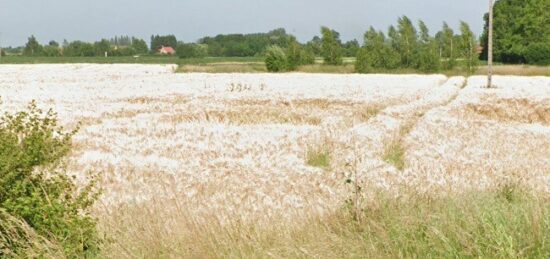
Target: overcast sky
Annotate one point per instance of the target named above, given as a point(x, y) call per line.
point(189, 20)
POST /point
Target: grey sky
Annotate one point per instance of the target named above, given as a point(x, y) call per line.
point(189, 20)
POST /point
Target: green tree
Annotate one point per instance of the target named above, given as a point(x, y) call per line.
point(406, 40)
point(101, 47)
point(376, 53)
point(51, 51)
point(33, 48)
point(468, 48)
point(426, 57)
point(447, 46)
point(350, 48)
point(79, 49)
point(53, 43)
point(538, 53)
point(314, 45)
point(294, 54)
point(275, 59)
point(191, 50)
point(331, 47)
point(139, 46)
point(517, 24)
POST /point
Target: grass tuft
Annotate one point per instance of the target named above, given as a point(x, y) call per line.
point(318, 157)
point(394, 154)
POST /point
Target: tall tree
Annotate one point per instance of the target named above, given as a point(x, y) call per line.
point(518, 24)
point(447, 46)
point(331, 46)
point(32, 47)
point(407, 40)
point(426, 57)
point(468, 47)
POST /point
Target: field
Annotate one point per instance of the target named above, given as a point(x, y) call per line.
point(257, 65)
point(261, 165)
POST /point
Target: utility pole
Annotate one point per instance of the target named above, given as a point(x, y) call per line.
point(0, 46)
point(490, 46)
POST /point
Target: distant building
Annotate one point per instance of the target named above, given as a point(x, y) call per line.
point(167, 50)
point(479, 49)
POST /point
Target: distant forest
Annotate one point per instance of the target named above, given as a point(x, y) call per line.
point(521, 35)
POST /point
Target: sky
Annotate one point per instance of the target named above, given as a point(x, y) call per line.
point(189, 20)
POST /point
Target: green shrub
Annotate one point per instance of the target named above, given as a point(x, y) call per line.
point(538, 53)
point(275, 60)
point(294, 55)
point(307, 57)
point(191, 50)
point(426, 60)
point(34, 188)
point(331, 47)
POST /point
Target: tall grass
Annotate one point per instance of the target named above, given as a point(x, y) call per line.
point(471, 225)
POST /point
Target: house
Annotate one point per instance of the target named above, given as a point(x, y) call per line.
point(167, 50)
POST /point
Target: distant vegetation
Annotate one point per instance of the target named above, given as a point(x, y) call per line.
point(521, 32)
point(406, 47)
point(522, 35)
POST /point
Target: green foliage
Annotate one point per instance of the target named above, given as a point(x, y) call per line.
point(79, 49)
point(406, 40)
point(245, 45)
point(33, 48)
point(467, 48)
point(425, 57)
point(331, 47)
point(377, 53)
point(538, 53)
point(307, 56)
point(447, 46)
point(158, 41)
point(351, 48)
point(139, 46)
point(294, 54)
point(51, 51)
point(315, 45)
point(276, 59)
point(102, 47)
point(517, 24)
point(34, 189)
point(191, 50)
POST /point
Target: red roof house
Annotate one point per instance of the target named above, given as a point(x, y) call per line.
point(167, 50)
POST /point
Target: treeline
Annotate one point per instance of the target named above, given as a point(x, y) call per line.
point(407, 46)
point(521, 32)
point(123, 46)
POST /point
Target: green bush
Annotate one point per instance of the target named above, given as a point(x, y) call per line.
point(275, 59)
point(307, 57)
point(331, 47)
point(426, 60)
point(35, 190)
point(191, 50)
point(538, 53)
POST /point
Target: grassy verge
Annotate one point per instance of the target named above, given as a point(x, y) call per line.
point(473, 225)
point(256, 65)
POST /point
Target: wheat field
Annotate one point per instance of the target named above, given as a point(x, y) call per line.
point(177, 152)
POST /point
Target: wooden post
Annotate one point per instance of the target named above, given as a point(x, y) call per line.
point(490, 46)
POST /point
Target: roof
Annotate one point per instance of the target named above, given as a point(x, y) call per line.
point(167, 49)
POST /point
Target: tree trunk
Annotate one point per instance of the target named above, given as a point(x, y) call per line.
point(490, 46)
